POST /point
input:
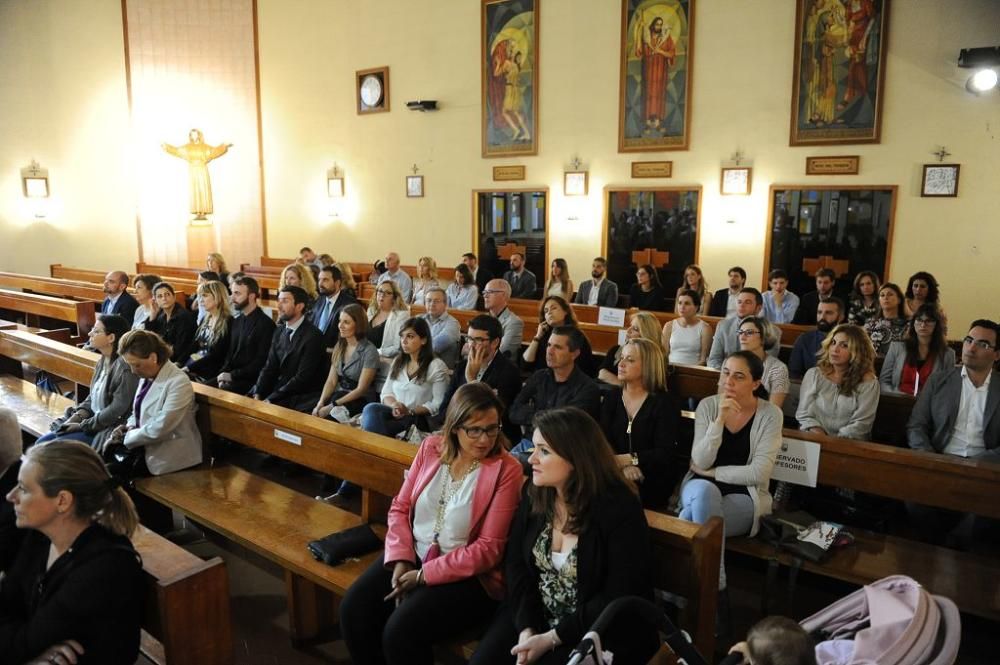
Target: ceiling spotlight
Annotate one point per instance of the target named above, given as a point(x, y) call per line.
point(984, 60)
point(983, 80)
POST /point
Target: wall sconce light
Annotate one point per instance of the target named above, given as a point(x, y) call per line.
point(576, 182)
point(35, 181)
point(736, 179)
point(334, 183)
point(984, 61)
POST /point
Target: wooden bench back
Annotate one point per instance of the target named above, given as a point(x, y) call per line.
point(82, 314)
point(169, 273)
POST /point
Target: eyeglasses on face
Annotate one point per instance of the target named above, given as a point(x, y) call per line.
point(384, 293)
point(491, 292)
point(477, 432)
point(981, 343)
point(924, 322)
point(748, 333)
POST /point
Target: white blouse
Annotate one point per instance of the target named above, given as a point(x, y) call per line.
point(428, 393)
point(457, 512)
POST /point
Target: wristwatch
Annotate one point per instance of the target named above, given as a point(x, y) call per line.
point(635, 459)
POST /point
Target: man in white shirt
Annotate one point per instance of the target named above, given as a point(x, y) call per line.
point(445, 329)
point(496, 295)
point(599, 290)
point(398, 275)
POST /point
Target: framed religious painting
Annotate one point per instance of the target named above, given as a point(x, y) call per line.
point(509, 60)
point(839, 74)
point(657, 44)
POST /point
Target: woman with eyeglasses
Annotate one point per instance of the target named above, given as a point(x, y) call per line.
point(647, 292)
point(737, 434)
point(839, 396)
point(687, 339)
point(441, 572)
point(889, 324)
point(756, 337)
point(463, 292)
point(909, 364)
point(553, 313)
point(111, 390)
point(386, 313)
point(641, 324)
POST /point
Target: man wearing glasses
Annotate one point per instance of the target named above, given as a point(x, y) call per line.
point(496, 295)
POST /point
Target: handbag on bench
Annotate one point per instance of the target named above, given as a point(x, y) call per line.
point(346, 544)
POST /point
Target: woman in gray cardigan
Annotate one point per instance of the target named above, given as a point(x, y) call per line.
point(737, 434)
point(909, 364)
point(111, 390)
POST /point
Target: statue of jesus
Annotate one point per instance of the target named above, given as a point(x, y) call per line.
point(198, 154)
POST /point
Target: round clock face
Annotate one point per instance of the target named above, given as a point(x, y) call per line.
point(371, 90)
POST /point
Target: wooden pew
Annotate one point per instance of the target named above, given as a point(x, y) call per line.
point(37, 307)
point(169, 273)
point(75, 289)
point(186, 285)
point(274, 262)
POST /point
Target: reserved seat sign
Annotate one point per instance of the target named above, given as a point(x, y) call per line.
point(797, 462)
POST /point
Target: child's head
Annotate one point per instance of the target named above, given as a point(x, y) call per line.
point(780, 641)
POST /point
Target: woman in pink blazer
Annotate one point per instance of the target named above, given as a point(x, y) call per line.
point(442, 568)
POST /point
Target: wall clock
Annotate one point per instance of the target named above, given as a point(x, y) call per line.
point(372, 90)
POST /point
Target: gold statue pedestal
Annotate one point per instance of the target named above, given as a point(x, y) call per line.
point(200, 241)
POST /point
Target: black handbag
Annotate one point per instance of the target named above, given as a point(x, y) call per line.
point(346, 544)
point(801, 534)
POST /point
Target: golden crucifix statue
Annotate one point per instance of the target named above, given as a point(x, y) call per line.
point(198, 154)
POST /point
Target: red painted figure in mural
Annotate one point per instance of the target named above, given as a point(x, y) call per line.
point(860, 15)
point(657, 50)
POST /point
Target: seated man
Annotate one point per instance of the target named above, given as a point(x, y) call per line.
point(726, 339)
point(825, 281)
point(522, 281)
point(398, 275)
point(724, 300)
point(118, 301)
point(481, 274)
point(829, 313)
point(561, 384)
point(308, 257)
point(599, 290)
point(496, 296)
point(295, 370)
point(445, 329)
point(250, 339)
point(780, 304)
point(333, 298)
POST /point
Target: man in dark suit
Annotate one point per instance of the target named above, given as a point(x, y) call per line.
point(294, 373)
point(724, 300)
point(326, 311)
point(250, 339)
point(599, 290)
point(826, 279)
point(481, 273)
point(118, 300)
point(522, 281)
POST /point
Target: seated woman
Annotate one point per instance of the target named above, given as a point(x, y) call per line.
point(441, 571)
point(348, 285)
point(147, 309)
point(889, 324)
point(910, 363)
point(687, 339)
point(639, 419)
point(923, 289)
point(864, 298)
point(75, 592)
point(553, 313)
point(641, 324)
point(215, 262)
point(211, 339)
point(647, 292)
point(694, 280)
point(427, 277)
point(111, 390)
point(162, 422)
point(737, 435)
point(204, 277)
point(10, 465)
point(462, 293)
point(296, 274)
point(559, 283)
point(386, 313)
point(756, 337)
point(355, 362)
point(174, 324)
point(839, 396)
point(579, 540)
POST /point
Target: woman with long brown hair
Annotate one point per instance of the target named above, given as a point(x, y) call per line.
point(211, 338)
point(559, 283)
point(909, 364)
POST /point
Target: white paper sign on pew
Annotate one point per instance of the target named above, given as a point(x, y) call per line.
point(611, 316)
point(797, 462)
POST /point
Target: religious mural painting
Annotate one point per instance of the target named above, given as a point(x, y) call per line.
point(651, 225)
point(839, 73)
point(510, 77)
point(655, 89)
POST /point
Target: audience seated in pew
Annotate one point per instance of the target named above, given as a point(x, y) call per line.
point(826, 279)
point(296, 274)
point(74, 593)
point(554, 313)
point(307, 257)
point(922, 289)
point(694, 280)
point(173, 323)
point(204, 277)
point(889, 324)
point(213, 335)
point(296, 363)
point(737, 434)
point(112, 390)
point(639, 419)
point(10, 464)
point(233, 276)
point(250, 339)
point(598, 290)
point(864, 301)
point(119, 300)
point(349, 286)
point(496, 296)
point(724, 300)
point(923, 352)
point(641, 324)
point(562, 383)
point(780, 304)
point(839, 396)
point(481, 275)
point(427, 278)
point(647, 292)
point(754, 337)
point(523, 283)
point(579, 540)
point(462, 292)
point(396, 274)
point(216, 263)
point(333, 298)
point(687, 339)
point(829, 313)
point(441, 570)
point(353, 367)
point(749, 302)
point(446, 333)
point(559, 283)
point(387, 312)
point(146, 309)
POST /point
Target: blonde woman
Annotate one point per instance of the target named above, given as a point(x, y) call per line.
point(694, 280)
point(427, 278)
point(325, 260)
point(687, 339)
point(216, 263)
point(211, 339)
point(559, 283)
point(642, 324)
point(296, 274)
point(386, 313)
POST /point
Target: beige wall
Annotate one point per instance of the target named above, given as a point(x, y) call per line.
point(310, 49)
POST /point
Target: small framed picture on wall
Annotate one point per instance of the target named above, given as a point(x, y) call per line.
point(736, 180)
point(414, 186)
point(940, 180)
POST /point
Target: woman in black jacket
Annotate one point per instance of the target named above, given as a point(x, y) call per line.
point(578, 541)
point(211, 339)
point(174, 324)
point(75, 590)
